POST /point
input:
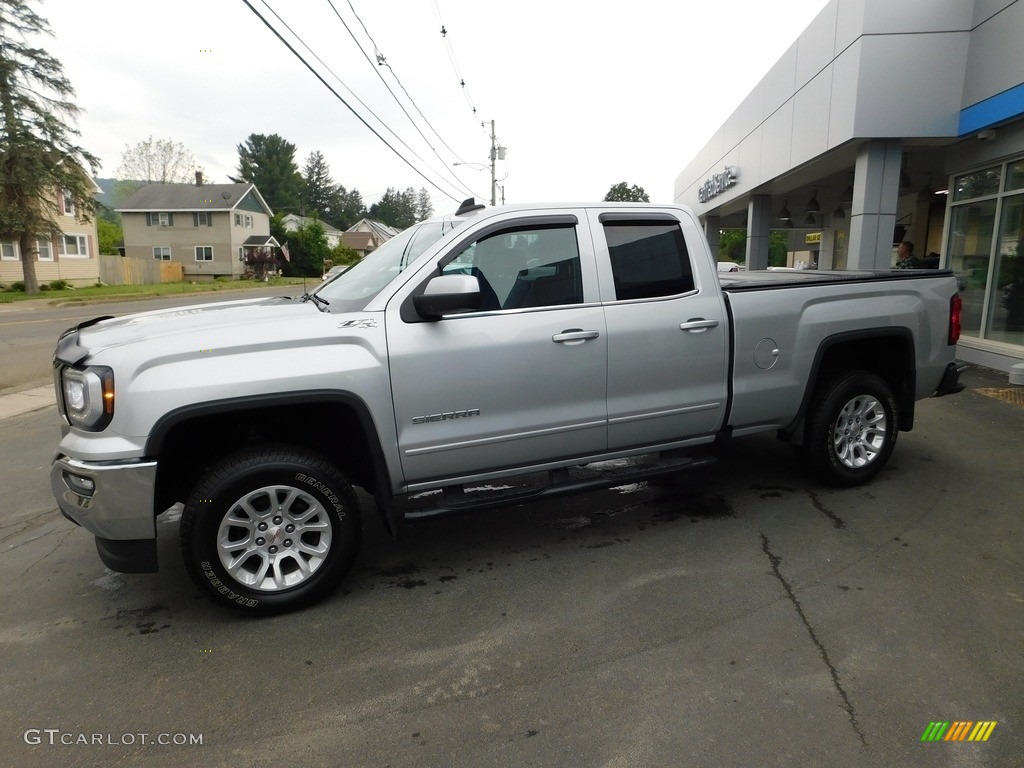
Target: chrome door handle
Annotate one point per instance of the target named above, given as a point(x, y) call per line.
point(574, 335)
point(698, 325)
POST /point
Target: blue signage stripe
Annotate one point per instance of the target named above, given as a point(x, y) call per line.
point(1002, 106)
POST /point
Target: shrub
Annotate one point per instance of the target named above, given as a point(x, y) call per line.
point(18, 287)
point(43, 287)
point(59, 285)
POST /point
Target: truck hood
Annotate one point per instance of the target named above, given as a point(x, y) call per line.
point(219, 324)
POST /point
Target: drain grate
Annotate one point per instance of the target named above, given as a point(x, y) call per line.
point(1011, 395)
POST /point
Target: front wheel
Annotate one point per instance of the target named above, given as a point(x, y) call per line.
point(852, 429)
point(270, 529)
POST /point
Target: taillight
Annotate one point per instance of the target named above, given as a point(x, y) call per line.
point(955, 306)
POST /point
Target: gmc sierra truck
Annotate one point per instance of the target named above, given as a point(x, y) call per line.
point(552, 348)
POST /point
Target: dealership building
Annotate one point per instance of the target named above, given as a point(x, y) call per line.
point(887, 122)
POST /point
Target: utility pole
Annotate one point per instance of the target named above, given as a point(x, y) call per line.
point(497, 153)
point(494, 156)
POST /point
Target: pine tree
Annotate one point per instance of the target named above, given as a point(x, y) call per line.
point(269, 163)
point(38, 153)
point(318, 188)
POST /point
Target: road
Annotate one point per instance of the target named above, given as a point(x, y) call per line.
point(746, 617)
point(29, 329)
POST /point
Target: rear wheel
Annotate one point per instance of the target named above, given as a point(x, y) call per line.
point(852, 429)
point(270, 529)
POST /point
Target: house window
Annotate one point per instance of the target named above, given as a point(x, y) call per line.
point(238, 219)
point(68, 203)
point(162, 252)
point(201, 219)
point(248, 222)
point(73, 245)
point(159, 220)
point(45, 250)
point(241, 253)
point(9, 251)
point(204, 253)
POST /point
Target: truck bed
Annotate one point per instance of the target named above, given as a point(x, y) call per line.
point(759, 280)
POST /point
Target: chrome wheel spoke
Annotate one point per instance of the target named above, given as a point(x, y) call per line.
point(260, 539)
point(859, 432)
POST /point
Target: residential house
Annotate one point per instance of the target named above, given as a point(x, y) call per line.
point(291, 222)
point(367, 235)
point(73, 257)
point(209, 228)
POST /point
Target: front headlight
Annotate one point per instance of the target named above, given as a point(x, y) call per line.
point(88, 396)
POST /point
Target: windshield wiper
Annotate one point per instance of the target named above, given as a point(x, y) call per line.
point(321, 304)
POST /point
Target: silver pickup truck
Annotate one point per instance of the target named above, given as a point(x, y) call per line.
point(556, 348)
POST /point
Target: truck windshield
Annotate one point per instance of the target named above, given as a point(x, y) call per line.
point(353, 290)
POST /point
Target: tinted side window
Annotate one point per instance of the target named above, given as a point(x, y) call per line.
point(524, 268)
point(649, 259)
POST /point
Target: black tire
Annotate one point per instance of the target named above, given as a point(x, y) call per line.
point(309, 541)
point(852, 429)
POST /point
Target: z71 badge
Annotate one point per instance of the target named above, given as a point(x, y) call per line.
point(365, 322)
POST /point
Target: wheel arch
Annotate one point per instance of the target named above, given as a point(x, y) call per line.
point(886, 352)
point(337, 425)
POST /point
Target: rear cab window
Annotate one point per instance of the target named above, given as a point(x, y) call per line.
point(648, 256)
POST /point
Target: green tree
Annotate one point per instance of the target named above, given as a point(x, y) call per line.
point(346, 207)
point(778, 248)
point(623, 193)
point(732, 245)
point(396, 209)
point(157, 161)
point(38, 153)
point(318, 188)
point(424, 208)
point(269, 163)
point(342, 254)
point(307, 249)
point(110, 236)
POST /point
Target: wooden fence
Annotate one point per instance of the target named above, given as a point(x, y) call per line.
point(120, 270)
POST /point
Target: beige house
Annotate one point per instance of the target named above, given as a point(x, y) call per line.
point(367, 235)
point(208, 228)
point(74, 256)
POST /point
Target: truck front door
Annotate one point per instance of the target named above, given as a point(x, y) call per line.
point(522, 380)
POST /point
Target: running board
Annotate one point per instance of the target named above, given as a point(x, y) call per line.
point(454, 500)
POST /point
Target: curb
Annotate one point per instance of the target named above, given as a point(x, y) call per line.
point(26, 401)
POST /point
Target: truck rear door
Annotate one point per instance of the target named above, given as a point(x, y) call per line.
point(668, 336)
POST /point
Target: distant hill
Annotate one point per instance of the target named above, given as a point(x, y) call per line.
point(109, 197)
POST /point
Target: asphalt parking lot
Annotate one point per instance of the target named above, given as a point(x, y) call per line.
point(747, 617)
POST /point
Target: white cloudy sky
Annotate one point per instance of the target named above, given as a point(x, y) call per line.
point(583, 94)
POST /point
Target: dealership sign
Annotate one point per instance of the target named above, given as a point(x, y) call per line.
point(718, 183)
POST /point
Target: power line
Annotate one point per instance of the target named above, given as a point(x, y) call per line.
point(339, 97)
point(382, 61)
point(451, 57)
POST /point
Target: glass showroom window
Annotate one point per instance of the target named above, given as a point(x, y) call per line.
point(986, 251)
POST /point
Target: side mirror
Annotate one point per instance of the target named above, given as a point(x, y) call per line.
point(446, 294)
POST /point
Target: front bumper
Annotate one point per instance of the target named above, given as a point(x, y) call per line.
point(113, 501)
